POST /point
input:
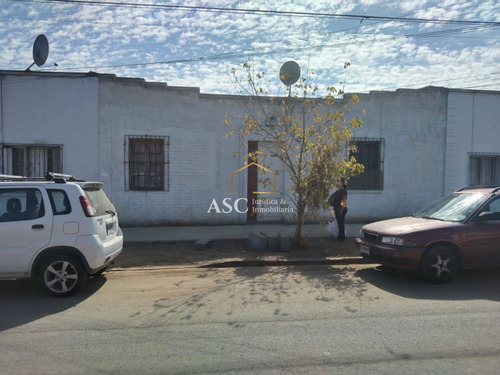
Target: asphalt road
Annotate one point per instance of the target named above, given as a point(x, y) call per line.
point(255, 320)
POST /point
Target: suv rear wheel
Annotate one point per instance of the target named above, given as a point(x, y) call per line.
point(61, 274)
point(439, 265)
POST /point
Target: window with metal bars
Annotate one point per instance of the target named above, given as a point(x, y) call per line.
point(31, 160)
point(146, 159)
point(368, 152)
point(484, 169)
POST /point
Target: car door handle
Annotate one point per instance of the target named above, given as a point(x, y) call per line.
point(37, 226)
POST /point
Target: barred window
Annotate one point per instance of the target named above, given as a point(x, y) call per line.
point(31, 160)
point(147, 159)
point(368, 152)
point(484, 169)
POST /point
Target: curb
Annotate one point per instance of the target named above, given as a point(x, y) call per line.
point(277, 263)
point(249, 259)
point(345, 261)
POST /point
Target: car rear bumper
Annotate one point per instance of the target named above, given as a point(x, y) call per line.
point(392, 256)
point(97, 253)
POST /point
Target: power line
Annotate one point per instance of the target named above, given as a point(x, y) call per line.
point(465, 27)
point(462, 79)
point(479, 86)
point(254, 53)
point(440, 33)
point(263, 12)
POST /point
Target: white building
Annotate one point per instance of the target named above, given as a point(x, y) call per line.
point(164, 158)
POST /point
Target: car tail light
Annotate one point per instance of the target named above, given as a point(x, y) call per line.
point(87, 208)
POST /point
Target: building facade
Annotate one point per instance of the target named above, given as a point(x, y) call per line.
point(163, 154)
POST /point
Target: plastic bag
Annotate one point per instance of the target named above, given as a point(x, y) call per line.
point(333, 228)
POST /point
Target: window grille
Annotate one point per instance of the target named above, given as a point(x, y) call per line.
point(31, 160)
point(484, 169)
point(146, 159)
point(368, 152)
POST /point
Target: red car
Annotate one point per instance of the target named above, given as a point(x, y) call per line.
point(459, 231)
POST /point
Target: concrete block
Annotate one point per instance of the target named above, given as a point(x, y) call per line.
point(202, 244)
point(272, 243)
point(258, 241)
point(264, 242)
point(285, 245)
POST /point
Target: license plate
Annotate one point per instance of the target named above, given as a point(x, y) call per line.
point(364, 249)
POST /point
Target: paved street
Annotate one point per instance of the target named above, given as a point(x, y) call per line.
point(255, 320)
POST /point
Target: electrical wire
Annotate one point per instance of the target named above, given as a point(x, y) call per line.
point(261, 12)
point(468, 26)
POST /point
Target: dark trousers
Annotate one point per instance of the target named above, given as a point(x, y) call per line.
point(341, 222)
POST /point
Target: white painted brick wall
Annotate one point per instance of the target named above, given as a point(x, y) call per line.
point(428, 135)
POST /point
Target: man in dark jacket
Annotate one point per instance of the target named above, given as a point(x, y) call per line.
point(340, 207)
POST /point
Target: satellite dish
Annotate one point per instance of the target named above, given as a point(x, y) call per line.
point(290, 73)
point(40, 51)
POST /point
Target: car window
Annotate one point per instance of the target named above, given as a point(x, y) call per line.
point(20, 204)
point(100, 201)
point(491, 211)
point(59, 202)
point(453, 207)
point(494, 206)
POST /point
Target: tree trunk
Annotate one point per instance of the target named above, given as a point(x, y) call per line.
point(298, 241)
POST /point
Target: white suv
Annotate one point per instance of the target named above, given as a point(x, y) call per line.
point(57, 231)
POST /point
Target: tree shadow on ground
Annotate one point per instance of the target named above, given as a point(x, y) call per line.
point(270, 291)
point(275, 292)
point(323, 282)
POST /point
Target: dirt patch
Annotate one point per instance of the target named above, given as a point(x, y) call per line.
point(144, 254)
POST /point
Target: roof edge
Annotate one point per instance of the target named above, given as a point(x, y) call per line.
point(142, 81)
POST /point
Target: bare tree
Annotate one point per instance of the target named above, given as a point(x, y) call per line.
point(310, 136)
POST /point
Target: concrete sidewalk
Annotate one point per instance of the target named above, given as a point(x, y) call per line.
point(164, 246)
point(220, 232)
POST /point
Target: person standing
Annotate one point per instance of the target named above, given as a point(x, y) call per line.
point(340, 207)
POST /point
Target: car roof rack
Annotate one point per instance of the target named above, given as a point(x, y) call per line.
point(50, 176)
point(9, 177)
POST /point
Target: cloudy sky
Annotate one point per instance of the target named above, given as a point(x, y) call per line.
point(196, 43)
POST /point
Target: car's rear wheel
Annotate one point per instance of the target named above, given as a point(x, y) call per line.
point(439, 265)
point(61, 275)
